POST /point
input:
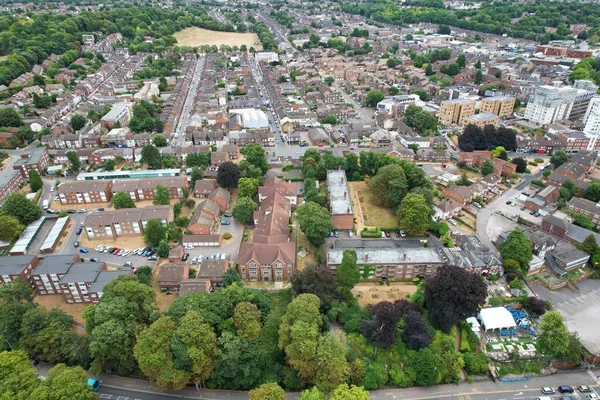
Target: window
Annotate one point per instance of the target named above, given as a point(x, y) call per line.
point(252, 265)
point(278, 265)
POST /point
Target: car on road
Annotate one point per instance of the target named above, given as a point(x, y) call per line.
point(78, 231)
point(185, 256)
point(565, 389)
point(81, 211)
point(225, 223)
point(547, 390)
point(593, 396)
point(523, 208)
point(83, 250)
point(101, 209)
point(128, 264)
point(76, 243)
point(402, 234)
point(397, 233)
point(52, 188)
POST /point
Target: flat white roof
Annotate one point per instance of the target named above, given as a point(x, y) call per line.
point(339, 194)
point(496, 318)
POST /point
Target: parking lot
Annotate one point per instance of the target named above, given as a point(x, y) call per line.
point(228, 247)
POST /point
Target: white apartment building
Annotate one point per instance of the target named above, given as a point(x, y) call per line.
point(591, 122)
point(550, 104)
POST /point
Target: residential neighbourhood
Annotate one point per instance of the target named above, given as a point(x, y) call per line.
point(300, 201)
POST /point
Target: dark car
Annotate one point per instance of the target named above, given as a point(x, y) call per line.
point(565, 389)
point(388, 235)
point(78, 231)
point(185, 257)
point(531, 212)
point(397, 233)
point(71, 211)
point(227, 215)
point(94, 259)
point(101, 209)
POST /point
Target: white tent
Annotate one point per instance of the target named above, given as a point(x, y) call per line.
point(496, 318)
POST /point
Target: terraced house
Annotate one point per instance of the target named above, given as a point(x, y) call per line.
point(124, 222)
point(144, 189)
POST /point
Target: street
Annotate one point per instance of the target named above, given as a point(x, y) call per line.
point(178, 137)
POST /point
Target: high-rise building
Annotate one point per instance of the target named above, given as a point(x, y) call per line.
point(455, 111)
point(502, 106)
point(591, 122)
point(585, 91)
point(550, 104)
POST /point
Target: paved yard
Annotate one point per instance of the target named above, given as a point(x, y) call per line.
point(580, 310)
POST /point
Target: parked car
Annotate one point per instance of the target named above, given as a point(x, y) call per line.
point(476, 204)
point(83, 250)
point(153, 258)
point(402, 234)
point(227, 215)
point(350, 234)
point(225, 223)
point(94, 259)
point(126, 253)
point(565, 389)
point(100, 248)
point(453, 222)
point(101, 209)
point(185, 256)
point(71, 211)
point(81, 211)
point(536, 214)
point(388, 234)
point(108, 249)
point(336, 233)
point(128, 264)
point(78, 231)
point(547, 390)
point(584, 389)
point(76, 243)
point(383, 234)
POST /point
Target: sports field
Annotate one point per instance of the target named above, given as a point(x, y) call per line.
point(197, 36)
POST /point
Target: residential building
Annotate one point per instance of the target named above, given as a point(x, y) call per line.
point(461, 194)
point(221, 197)
point(10, 182)
point(586, 90)
point(339, 200)
point(502, 106)
point(204, 187)
point(395, 105)
point(145, 189)
point(446, 209)
point(14, 267)
point(266, 262)
point(32, 159)
point(124, 222)
point(78, 279)
point(455, 111)
point(84, 192)
point(119, 113)
point(586, 207)
point(48, 273)
point(171, 274)
point(481, 120)
point(204, 218)
point(550, 104)
point(289, 190)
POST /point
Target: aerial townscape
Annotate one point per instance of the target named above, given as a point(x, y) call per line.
point(314, 200)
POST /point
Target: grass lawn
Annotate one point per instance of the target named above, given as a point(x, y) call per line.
point(373, 215)
point(197, 36)
point(303, 244)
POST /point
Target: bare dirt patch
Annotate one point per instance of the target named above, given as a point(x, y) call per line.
point(129, 243)
point(372, 293)
point(368, 214)
point(197, 36)
point(57, 300)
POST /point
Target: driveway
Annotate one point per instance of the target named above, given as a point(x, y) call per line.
point(229, 247)
point(580, 310)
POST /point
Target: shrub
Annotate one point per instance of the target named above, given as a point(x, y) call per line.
point(539, 160)
point(495, 302)
point(538, 182)
point(532, 163)
point(476, 363)
point(227, 236)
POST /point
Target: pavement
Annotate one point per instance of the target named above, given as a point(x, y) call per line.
point(121, 388)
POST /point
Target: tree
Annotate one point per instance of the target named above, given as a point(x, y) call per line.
point(478, 64)
point(194, 345)
point(19, 207)
point(317, 281)
point(537, 305)
point(254, 153)
point(10, 117)
point(122, 200)
point(559, 158)
point(389, 186)
point(487, 167)
point(74, 160)
point(314, 221)
point(554, 339)
point(17, 375)
point(413, 214)
point(498, 74)
point(35, 181)
point(151, 156)
point(160, 140)
point(154, 232)
point(10, 228)
point(64, 382)
point(375, 376)
point(163, 248)
point(476, 363)
point(452, 295)
point(420, 119)
point(461, 60)
point(415, 333)
point(162, 196)
point(329, 80)
point(517, 247)
point(592, 192)
point(228, 175)
point(429, 70)
point(511, 267)
point(330, 119)
point(154, 355)
point(425, 364)
point(589, 245)
point(345, 392)
point(478, 77)
point(373, 97)
point(78, 122)
point(267, 391)
point(144, 275)
point(444, 30)
point(299, 334)
point(196, 175)
point(381, 328)
point(246, 318)
point(244, 210)
point(239, 363)
point(312, 394)
point(332, 366)
point(520, 163)
point(347, 272)
point(231, 277)
point(247, 187)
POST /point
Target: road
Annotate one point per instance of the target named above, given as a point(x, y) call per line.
point(484, 214)
point(186, 110)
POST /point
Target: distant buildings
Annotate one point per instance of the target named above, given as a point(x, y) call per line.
point(502, 106)
point(456, 111)
point(550, 104)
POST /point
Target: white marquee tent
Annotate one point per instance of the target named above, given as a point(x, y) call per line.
point(496, 318)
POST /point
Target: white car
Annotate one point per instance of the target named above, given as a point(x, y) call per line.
point(100, 248)
point(453, 222)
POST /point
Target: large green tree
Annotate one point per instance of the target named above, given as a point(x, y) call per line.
point(487, 167)
point(389, 186)
point(162, 196)
point(78, 122)
point(151, 156)
point(160, 140)
point(244, 209)
point(154, 232)
point(517, 247)
point(35, 181)
point(74, 160)
point(10, 228)
point(267, 391)
point(347, 272)
point(314, 221)
point(247, 187)
point(18, 206)
point(246, 318)
point(413, 214)
point(332, 367)
point(10, 117)
point(374, 96)
point(553, 341)
point(592, 192)
point(254, 153)
point(122, 200)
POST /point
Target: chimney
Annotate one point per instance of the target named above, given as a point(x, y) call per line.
point(347, 208)
point(404, 256)
point(366, 257)
point(345, 194)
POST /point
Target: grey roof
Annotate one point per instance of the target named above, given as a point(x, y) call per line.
point(55, 264)
point(103, 278)
point(339, 195)
point(578, 234)
point(82, 272)
point(34, 156)
point(388, 256)
point(14, 265)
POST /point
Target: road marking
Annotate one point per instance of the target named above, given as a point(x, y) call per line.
point(122, 398)
point(106, 396)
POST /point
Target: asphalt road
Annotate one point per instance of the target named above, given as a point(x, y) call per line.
point(184, 118)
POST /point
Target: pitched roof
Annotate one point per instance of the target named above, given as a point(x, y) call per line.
point(266, 253)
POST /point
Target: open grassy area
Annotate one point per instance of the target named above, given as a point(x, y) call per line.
point(304, 248)
point(373, 293)
point(197, 36)
point(51, 301)
point(371, 214)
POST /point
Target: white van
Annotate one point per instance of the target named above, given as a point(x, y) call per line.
point(45, 204)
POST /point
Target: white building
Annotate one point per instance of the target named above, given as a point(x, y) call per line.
point(591, 121)
point(252, 118)
point(550, 104)
point(268, 56)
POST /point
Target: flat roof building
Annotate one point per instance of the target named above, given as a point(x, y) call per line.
point(339, 200)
